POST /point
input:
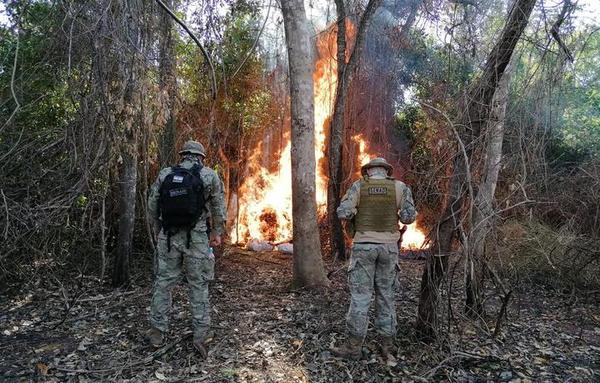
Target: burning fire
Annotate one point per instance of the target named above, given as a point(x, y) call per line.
point(265, 197)
point(363, 154)
point(413, 238)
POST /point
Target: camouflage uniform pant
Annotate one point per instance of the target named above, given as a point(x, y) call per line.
point(199, 265)
point(372, 267)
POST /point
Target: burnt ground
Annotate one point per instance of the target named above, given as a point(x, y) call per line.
point(82, 331)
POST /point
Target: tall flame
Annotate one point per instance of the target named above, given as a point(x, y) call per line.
point(265, 197)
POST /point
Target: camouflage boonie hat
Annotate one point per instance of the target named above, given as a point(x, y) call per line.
point(193, 147)
point(378, 162)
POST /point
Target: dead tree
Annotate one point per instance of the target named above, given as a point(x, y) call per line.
point(483, 212)
point(345, 73)
point(474, 109)
point(308, 262)
point(483, 203)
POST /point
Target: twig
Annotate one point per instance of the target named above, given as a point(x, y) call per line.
point(456, 355)
point(333, 272)
point(501, 314)
point(7, 215)
point(103, 297)
point(71, 320)
point(147, 360)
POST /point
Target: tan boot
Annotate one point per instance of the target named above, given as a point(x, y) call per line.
point(388, 350)
point(155, 337)
point(352, 349)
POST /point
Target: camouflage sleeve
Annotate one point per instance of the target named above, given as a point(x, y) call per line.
point(408, 213)
point(216, 204)
point(153, 195)
point(347, 208)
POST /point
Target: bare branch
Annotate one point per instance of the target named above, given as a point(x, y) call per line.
point(564, 14)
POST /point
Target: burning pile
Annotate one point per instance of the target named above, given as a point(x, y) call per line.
point(265, 197)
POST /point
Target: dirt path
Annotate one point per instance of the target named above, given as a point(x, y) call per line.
point(266, 333)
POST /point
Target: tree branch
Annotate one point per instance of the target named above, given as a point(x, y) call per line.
point(564, 13)
point(360, 37)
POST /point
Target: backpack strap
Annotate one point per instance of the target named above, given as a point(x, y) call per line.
point(160, 193)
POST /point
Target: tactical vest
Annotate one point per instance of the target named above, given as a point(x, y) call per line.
point(377, 210)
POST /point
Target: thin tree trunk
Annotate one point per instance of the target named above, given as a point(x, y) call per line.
point(474, 111)
point(130, 34)
point(336, 136)
point(483, 203)
point(168, 86)
point(127, 196)
point(103, 238)
point(226, 177)
point(308, 263)
point(336, 140)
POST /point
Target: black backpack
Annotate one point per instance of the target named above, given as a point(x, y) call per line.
point(181, 200)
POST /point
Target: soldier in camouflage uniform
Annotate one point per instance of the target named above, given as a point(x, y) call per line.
point(372, 207)
point(178, 249)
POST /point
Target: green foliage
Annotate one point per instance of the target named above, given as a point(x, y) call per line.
point(412, 122)
point(244, 104)
point(40, 83)
point(580, 121)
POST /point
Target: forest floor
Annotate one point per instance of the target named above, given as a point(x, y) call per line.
point(82, 331)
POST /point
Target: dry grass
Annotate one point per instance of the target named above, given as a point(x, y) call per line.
point(530, 251)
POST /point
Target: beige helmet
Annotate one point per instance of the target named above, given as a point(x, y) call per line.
point(193, 147)
point(378, 162)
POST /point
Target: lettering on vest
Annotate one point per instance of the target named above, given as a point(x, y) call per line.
point(378, 190)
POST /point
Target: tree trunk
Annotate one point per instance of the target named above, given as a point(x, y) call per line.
point(127, 196)
point(336, 136)
point(483, 204)
point(336, 140)
point(130, 121)
point(474, 110)
point(168, 86)
point(308, 263)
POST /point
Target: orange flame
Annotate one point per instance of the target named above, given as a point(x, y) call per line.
point(414, 238)
point(265, 198)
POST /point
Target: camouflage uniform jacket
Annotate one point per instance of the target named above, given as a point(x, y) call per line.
point(213, 194)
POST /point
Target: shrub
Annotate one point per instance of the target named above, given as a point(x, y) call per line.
point(532, 251)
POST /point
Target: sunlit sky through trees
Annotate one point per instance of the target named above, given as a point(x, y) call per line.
point(588, 13)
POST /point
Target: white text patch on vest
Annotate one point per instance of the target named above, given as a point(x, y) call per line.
point(378, 190)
